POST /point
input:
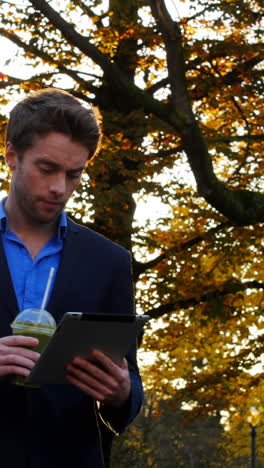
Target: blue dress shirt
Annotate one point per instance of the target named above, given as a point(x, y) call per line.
point(30, 276)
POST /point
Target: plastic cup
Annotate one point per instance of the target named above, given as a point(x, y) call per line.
point(37, 323)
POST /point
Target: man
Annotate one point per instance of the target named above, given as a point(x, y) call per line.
point(50, 136)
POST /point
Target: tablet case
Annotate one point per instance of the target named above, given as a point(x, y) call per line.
point(77, 334)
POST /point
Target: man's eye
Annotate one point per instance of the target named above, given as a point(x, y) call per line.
point(74, 175)
point(46, 170)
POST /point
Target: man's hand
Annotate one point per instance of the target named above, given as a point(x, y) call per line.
point(14, 358)
point(101, 378)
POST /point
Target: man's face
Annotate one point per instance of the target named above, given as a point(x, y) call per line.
point(46, 176)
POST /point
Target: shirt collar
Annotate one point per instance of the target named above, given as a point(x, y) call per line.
point(3, 217)
point(62, 228)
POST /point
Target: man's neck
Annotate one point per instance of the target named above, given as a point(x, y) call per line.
point(32, 233)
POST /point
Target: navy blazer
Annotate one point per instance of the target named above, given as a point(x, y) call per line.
point(56, 426)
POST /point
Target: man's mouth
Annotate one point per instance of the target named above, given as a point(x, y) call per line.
point(52, 204)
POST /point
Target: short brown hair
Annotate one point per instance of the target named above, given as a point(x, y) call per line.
point(50, 110)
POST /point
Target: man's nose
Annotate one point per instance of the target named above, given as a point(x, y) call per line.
point(58, 184)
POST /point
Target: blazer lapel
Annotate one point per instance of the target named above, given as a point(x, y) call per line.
point(66, 268)
point(7, 292)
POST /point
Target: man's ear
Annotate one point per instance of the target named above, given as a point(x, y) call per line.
point(10, 156)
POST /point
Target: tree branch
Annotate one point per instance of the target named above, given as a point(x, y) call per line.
point(231, 138)
point(95, 18)
point(134, 97)
point(242, 206)
point(229, 287)
point(232, 370)
point(229, 79)
point(140, 268)
point(41, 54)
point(171, 34)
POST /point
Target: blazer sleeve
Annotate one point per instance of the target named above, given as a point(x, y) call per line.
point(122, 301)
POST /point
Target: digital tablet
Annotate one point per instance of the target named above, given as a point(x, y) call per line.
point(77, 334)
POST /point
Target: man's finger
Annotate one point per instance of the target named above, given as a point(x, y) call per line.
point(101, 360)
point(123, 364)
point(95, 394)
point(15, 370)
point(19, 340)
point(23, 352)
point(16, 360)
point(91, 375)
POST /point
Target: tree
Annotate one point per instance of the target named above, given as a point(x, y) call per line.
point(171, 93)
point(115, 45)
point(161, 437)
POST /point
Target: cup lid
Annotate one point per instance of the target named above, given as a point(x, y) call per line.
point(34, 317)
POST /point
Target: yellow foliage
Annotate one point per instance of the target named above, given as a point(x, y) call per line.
point(208, 263)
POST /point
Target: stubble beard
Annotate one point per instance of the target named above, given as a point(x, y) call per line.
point(28, 208)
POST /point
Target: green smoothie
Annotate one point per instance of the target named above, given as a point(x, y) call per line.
point(38, 324)
point(26, 329)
